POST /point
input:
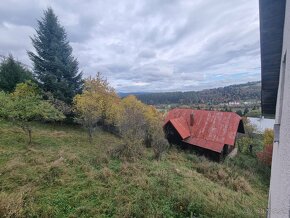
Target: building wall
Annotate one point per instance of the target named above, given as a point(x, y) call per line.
point(279, 195)
point(262, 123)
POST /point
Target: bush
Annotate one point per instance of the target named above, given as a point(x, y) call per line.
point(243, 144)
point(160, 146)
point(128, 150)
point(268, 136)
point(139, 125)
point(265, 156)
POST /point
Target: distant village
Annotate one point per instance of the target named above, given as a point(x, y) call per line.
point(248, 108)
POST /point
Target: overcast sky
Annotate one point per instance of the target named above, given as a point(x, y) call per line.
point(148, 45)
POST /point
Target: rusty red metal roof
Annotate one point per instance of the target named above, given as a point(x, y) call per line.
point(180, 124)
point(210, 130)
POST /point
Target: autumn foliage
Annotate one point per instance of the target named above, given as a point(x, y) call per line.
point(136, 123)
point(265, 156)
point(97, 104)
point(140, 125)
point(268, 136)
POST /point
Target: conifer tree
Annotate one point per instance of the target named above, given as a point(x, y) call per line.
point(12, 73)
point(55, 67)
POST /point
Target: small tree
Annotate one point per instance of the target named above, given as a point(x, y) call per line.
point(159, 142)
point(132, 128)
point(96, 104)
point(140, 124)
point(25, 105)
point(132, 124)
point(11, 73)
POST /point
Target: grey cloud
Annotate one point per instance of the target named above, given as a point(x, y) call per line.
point(147, 54)
point(148, 45)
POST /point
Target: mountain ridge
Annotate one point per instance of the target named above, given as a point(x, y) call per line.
point(239, 92)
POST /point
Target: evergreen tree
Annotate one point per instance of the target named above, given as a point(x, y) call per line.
point(55, 67)
point(11, 73)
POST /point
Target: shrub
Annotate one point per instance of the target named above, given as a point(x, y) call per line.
point(132, 128)
point(128, 150)
point(268, 136)
point(265, 156)
point(159, 145)
point(243, 144)
point(139, 125)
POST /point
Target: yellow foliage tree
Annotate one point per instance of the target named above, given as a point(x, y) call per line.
point(97, 104)
point(132, 120)
point(268, 137)
point(139, 124)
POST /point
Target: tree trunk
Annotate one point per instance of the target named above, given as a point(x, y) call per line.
point(27, 129)
point(30, 136)
point(90, 132)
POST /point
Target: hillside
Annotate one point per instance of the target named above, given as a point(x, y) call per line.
point(241, 92)
point(63, 175)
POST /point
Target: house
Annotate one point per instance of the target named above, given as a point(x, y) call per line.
point(275, 60)
point(211, 133)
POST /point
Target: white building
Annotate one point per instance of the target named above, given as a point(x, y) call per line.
point(262, 123)
point(275, 44)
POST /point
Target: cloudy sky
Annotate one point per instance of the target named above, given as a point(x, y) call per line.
point(147, 45)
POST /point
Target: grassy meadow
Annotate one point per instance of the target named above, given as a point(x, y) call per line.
point(61, 174)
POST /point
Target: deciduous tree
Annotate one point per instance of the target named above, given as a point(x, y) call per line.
point(97, 104)
point(25, 105)
point(140, 124)
point(132, 128)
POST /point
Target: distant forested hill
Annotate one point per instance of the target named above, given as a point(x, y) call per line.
point(241, 92)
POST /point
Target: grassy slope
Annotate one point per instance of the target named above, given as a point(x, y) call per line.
point(63, 175)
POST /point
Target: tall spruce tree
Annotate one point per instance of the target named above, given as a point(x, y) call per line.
point(55, 67)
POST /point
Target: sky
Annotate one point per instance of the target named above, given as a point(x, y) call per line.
point(147, 45)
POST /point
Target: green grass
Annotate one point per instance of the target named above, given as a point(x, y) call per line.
point(62, 175)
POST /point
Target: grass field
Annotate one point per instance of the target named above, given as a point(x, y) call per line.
point(62, 175)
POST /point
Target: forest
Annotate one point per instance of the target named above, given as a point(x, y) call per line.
point(241, 92)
